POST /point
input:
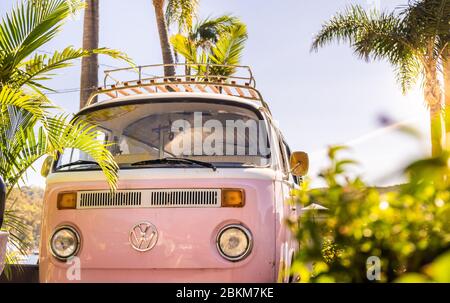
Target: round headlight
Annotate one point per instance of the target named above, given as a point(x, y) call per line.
point(64, 242)
point(234, 242)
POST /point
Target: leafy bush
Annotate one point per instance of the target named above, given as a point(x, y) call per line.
point(405, 227)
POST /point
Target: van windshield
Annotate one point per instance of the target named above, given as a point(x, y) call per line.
point(141, 135)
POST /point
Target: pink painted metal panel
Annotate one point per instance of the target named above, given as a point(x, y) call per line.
point(250, 273)
point(186, 249)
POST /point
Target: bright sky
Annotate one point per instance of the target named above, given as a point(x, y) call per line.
point(323, 98)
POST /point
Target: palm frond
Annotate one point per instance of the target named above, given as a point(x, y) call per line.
point(383, 38)
point(430, 17)
point(28, 147)
point(228, 50)
point(18, 231)
point(374, 35)
point(208, 31)
point(38, 67)
point(182, 12)
point(18, 240)
point(429, 20)
point(343, 27)
point(78, 134)
point(30, 25)
point(33, 104)
point(370, 34)
point(407, 73)
point(185, 47)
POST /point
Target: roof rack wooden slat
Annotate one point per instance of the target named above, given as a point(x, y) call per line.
point(214, 89)
point(200, 88)
point(188, 88)
point(252, 93)
point(148, 89)
point(239, 91)
point(162, 88)
point(227, 90)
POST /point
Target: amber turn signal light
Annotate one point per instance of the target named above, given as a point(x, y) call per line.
point(67, 200)
point(233, 197)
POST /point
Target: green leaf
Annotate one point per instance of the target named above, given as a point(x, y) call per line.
point(439, 269)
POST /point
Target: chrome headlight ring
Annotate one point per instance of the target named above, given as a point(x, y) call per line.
point(76, 239)
point(243, 234)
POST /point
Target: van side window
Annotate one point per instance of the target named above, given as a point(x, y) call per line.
point(288, 156)
point(284, 162)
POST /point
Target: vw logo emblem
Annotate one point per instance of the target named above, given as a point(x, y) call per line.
point(143, 236)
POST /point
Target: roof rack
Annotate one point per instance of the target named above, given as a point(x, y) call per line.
point(189, 78)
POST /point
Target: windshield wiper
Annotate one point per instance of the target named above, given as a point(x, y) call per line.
point(78, 162)
point(169, 160)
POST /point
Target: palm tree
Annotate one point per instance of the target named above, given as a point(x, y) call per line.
point(28, 129)
point(410, 44)
point(431, 18)
point(181, 12)
point(213, 43)
point(89, 64)
point(204, 34)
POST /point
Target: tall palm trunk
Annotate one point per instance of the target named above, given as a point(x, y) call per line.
point(164, 37)
point(436, 131)
point(89, 65)
point(446, 69)
point(432, 95)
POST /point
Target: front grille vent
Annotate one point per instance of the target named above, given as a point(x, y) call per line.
point(184, 198)
point(117, 199)
point(150, 198)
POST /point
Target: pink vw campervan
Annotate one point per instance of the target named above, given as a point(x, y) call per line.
point(204, 179)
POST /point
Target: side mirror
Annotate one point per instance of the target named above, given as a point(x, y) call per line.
point(46, 166)
point(299, 163)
